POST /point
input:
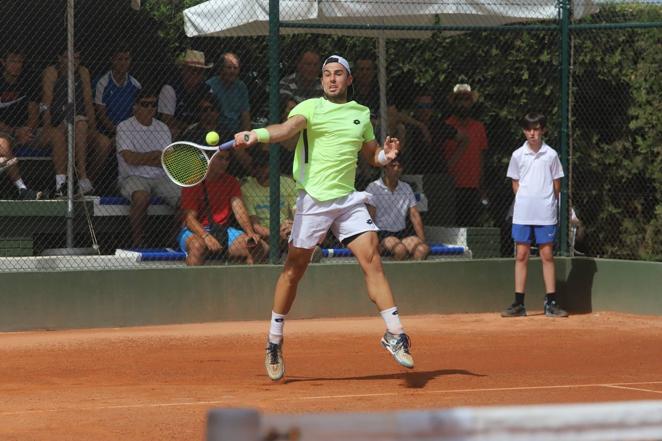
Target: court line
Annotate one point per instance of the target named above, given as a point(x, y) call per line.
point(119, 406)
point(322, 397)
point(493, 389)
point(635, 388)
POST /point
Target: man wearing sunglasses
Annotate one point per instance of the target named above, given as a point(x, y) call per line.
point(140, 140)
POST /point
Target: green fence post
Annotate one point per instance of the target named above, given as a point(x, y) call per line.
point(564, 10)
point(274, 117)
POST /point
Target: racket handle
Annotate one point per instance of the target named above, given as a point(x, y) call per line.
point(230, 144)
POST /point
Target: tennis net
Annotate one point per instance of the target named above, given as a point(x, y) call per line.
point(622, 421)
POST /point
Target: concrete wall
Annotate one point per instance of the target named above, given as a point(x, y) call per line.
point(110, 298)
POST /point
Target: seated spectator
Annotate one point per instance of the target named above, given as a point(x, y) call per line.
point(256, 196)
point(208, 120)
point(207, 208)
point(305, 82)
point(140, 140)
point(55, 100)
point(179, 98)
point(392, 201)
point(19, 117)
point(288, 146)
point(115, 92)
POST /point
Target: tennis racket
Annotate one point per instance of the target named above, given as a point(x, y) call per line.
point(187, 164)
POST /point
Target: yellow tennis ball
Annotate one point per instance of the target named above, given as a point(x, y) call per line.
point(212, 138)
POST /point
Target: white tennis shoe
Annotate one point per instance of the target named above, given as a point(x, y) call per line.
point(273, 361)
point(398, 346)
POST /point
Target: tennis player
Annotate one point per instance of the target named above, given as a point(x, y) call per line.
point(332, 131)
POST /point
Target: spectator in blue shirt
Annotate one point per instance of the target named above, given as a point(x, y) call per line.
point(115, 92)
point(232, 96)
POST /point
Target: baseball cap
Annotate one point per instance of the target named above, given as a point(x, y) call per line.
point(338, 59)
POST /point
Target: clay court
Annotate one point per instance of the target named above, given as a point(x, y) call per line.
point(147, 383)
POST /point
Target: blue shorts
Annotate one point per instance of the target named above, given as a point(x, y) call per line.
point(233, 234)
point(543, 233)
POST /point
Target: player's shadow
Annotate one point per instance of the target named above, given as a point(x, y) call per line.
point(412, 379)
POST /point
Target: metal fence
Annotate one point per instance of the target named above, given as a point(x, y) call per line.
point(92, 91)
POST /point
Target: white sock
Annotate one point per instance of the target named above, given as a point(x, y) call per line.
point(60, 179)
point(392, 320)
point(276, 329)
point(20, 184)
point(84, 184)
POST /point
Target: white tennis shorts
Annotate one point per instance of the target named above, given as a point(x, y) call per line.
point(346, 216)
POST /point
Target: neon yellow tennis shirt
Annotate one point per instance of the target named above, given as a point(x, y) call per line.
point(326, 168)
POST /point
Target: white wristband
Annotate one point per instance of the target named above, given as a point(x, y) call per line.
point(381, 158)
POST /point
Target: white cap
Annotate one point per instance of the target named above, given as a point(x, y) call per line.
point(338, 59)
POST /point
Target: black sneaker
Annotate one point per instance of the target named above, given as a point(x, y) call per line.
point(60, 191)
point(25, 194)
point(514, 310)
point(552, 309)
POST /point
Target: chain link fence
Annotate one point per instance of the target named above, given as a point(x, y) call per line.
point(87, 189)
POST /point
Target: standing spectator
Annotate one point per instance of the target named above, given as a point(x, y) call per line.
point(140, 140)
point(392, 202)
point(19, 116)
point(55, 100)
point(256, 196)
point(207, 208)
point(179, 98)
point(232, 96)
point(366, 86)
point(305, 82)
point(465, 162)
point(536, 174)
point(426, 134)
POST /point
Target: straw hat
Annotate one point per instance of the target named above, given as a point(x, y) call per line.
point(194, 58)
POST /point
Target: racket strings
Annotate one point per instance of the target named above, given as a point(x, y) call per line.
point(185, 164)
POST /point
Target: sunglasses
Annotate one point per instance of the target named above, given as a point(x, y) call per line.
point(203, 109)
point(147, 104)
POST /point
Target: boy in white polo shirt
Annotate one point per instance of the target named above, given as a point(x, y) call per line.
point(536, 172)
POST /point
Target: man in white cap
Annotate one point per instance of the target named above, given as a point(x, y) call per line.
point(179, 98)
point(332, 133)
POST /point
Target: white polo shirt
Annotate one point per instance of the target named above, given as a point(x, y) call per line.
point(535, 202)
point(392, 207)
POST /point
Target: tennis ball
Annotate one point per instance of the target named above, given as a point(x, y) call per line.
point(212, 138)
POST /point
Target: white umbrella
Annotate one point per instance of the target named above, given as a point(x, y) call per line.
point(232, 18)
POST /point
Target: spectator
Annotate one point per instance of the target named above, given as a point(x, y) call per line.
point(465, 162)
point(393, 200)
point(140, 140)
point(536, 172)
point(287, 152)
point(208, 115)
point(55, 100)
point(207, 208)
point(232, 97)
point(256, 195)
point(19, 117)
point(179, 98)
point(115, 92)
point(305, 82)
point(366, 86)
point(426, 134)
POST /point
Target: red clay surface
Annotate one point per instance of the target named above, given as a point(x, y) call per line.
point(139, 384)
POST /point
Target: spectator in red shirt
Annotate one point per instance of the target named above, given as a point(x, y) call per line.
point(207, 208)
point(465, 162)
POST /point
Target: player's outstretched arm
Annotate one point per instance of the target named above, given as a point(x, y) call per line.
point(273, 133)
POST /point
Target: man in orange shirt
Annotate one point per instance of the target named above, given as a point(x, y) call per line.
point(465, 162)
